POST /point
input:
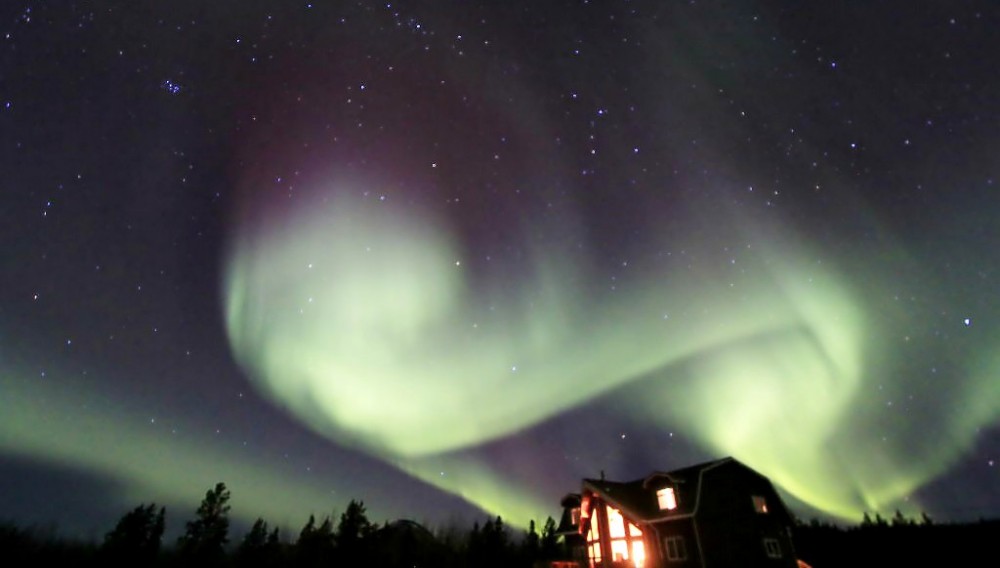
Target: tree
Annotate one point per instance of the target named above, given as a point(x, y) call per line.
point(530, 545)
point(255, 540)
point(550, 540)
point(308, 529)
point(879, 521)
point(206, 536)
point(900, 521)
point(315, 544)
point(259, 547)
point(489, 547)
point(495, 536)
point(137, 536)
point(353, 533)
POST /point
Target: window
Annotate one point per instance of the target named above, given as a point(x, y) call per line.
point(625, 539)
point(675, 548)
point(666, 499)
point(595, 554)
point(638, 553)
point(759, 504)
point(772, 547)
point(574, 516)
point(594, 542)
point(619, 550)
point(616, 523)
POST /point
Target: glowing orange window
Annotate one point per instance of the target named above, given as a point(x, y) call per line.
point(667, 499)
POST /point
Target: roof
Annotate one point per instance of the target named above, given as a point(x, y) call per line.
point(637, 499)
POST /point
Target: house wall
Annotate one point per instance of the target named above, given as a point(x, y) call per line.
point(683, 528)
point(731, 531)
point(721, 527)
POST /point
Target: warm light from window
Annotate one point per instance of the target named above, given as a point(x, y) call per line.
point(593, 540)
point(619, 550)
point(616, 524)
point(625, 539)
point(667, 499)
point(759, 504)
point(638, 553)
point(597, 552)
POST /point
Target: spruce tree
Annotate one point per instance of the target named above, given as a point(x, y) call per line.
point(137, 536)
point(206, 536)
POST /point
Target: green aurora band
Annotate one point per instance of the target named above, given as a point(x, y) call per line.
point(63, 422)
point(364, 319)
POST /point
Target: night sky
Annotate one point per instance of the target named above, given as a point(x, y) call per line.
point(452, 257)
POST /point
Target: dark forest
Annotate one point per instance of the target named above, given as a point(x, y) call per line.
point(352, 539)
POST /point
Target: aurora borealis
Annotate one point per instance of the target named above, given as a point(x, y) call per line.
point(451, 258)
point(366, 324)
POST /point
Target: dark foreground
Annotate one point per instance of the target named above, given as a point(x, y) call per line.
point(352, 540)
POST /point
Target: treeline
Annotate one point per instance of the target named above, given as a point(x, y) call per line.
point(348, 541)
point(351, 540)
point(898, 541)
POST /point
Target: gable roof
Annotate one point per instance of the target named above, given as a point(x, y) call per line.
point(637, 499)
point(633, 500)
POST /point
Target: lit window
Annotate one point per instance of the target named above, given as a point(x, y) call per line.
point(594, 542)
point(666, 498)
point(675, 548)
point(619, 550)
point(595, 554)
point(638, 553)
point(759, 504)
point(772, 547)
point(623, 540)
point(574, 516)
point(616, 532)
point(616, 523)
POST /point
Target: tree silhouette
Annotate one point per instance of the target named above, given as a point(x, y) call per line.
point(406, 544)
point(315, 544)
point(900, 521)
point(255, 539)
point(354, 534)
point(259, 547)
point(550, 541)
point(206, 536)
point(530, 545)
point(489, 547)
point(879, 521)
point(137, 536)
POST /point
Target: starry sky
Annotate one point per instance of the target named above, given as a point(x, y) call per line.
point(449, 258)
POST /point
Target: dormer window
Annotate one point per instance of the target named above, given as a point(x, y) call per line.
point(666, 498)
point(759, 504)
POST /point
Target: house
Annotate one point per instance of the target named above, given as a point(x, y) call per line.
point(715, 514)
point(574, 543)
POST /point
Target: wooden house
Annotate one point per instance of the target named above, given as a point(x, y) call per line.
point(711, 515)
